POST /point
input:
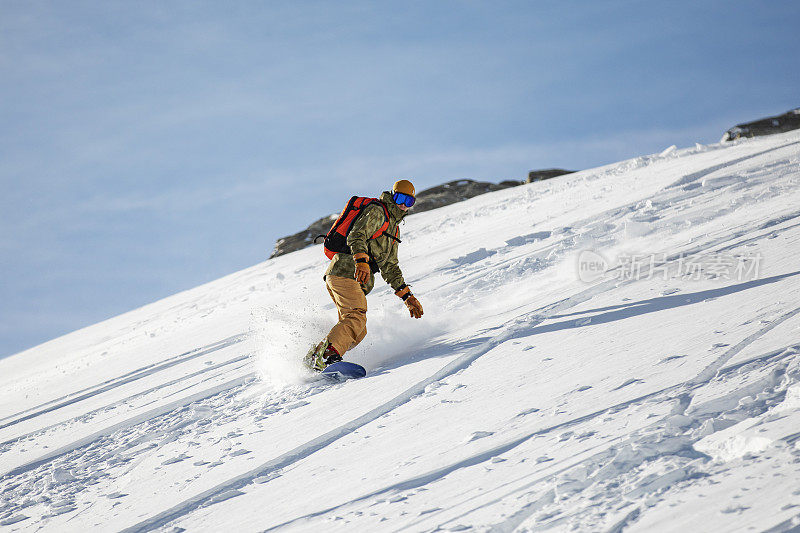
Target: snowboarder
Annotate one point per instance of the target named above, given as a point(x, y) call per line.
point(364, 240)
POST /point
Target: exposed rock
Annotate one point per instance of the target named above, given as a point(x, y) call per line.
point(304, 238)
point(765, 126)
point(439, 196)
point(457, 191)
point(546, 174)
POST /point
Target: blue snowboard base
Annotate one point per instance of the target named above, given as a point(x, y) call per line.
point(344, 370)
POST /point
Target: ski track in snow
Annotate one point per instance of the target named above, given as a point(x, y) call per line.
point(117, 382)
point(587, 478)
point(213, 390)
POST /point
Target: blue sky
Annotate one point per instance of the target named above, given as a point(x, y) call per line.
point(148, 147)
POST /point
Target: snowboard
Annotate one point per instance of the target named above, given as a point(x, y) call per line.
point(344, 370)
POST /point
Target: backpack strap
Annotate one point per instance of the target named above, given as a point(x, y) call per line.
point(393, 237)
point(385, 225)
point(396, 233)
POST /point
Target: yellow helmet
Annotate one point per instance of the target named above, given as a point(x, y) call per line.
point(404, 186)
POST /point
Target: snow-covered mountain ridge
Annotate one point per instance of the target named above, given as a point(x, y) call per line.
point(661, 392)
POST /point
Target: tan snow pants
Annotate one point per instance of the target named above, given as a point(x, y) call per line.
point(351, 302)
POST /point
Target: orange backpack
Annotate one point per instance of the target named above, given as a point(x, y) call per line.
point(336, 239)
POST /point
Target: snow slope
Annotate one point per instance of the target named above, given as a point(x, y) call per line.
point(662, 394)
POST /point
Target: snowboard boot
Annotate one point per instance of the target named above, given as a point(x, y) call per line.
point(321, 355)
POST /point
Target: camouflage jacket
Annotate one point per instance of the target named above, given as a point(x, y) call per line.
point(382, 250)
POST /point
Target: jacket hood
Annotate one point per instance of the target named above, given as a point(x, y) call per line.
point(394, 210)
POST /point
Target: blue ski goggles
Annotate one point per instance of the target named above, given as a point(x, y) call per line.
point(405, 199)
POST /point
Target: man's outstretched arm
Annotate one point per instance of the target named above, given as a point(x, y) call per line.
point(391, 273)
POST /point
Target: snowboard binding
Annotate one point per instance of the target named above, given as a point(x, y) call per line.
point(321, 356)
